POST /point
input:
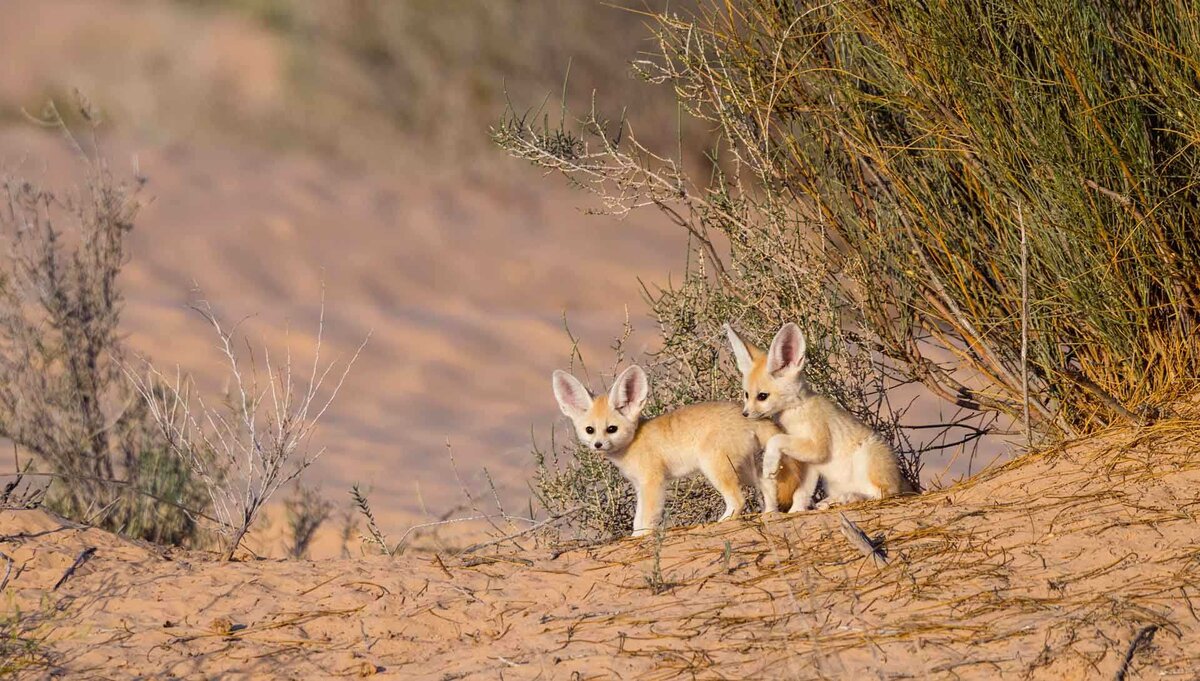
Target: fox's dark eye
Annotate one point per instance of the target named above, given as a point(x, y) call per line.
point(610, 429)
point(589, 430)
point(747, 395)
point(762, 397)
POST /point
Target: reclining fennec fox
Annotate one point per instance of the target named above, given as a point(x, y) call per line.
point(854, 462)
point(711, 437)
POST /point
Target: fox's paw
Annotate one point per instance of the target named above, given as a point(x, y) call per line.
point(642, 532)
point(838, 500)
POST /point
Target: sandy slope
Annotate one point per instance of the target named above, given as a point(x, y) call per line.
point(1046, 568)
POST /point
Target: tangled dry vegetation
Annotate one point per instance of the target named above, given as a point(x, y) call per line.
point(118, 444)
point(1075, 562)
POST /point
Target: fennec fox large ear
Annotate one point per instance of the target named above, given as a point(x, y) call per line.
point(743, 353)
point(629, 392)
point(787, 350)
point(573, 399)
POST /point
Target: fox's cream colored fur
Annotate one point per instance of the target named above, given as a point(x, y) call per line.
point(712, 438)
point(854, 462)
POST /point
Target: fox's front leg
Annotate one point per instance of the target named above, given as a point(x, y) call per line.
point(806, 450)
point(802, 499)
point(648, 515)
point(773, 456)
point(771, 461)
point(724, 477)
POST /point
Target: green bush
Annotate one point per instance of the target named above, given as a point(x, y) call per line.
point(885, 171)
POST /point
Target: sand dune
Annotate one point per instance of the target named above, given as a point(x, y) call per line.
point(1051, 567)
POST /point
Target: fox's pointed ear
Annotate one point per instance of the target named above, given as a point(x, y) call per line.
point(629, 392)
point(743, 353)
point(573, 399)
point(787, 350)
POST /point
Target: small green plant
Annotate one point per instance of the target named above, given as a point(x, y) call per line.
point(23, 640)
point(656, 581)
point(374, 534)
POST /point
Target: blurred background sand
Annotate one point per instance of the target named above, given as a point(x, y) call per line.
point(289, 143)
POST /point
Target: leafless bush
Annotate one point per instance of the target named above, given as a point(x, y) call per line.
point(306, 510)
point(257, 440)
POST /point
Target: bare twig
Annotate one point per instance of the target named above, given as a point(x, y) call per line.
point(82, 558)
point(7, 570)
point(1143, 638)
point(532, 528)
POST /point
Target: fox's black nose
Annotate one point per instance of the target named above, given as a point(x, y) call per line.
point(599, 445)
point(746, 413)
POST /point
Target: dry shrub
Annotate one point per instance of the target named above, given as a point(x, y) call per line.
point(884, 175)
point(62, 395)
point(305, 511)
point(257, 437)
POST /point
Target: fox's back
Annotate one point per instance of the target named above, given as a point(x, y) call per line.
point(703, 429)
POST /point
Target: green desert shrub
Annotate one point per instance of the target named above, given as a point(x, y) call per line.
point(993, 200)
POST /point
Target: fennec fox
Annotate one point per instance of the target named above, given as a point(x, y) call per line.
point(711, 437)
point(854, 463)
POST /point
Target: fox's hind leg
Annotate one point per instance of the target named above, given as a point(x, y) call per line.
point(723, 476)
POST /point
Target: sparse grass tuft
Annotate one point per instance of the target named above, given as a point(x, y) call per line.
point(376, 535)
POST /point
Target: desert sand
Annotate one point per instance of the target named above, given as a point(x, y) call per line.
point(1049, 567)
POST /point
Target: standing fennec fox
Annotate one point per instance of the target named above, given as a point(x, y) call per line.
point(710, 437)
point(854, 462)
